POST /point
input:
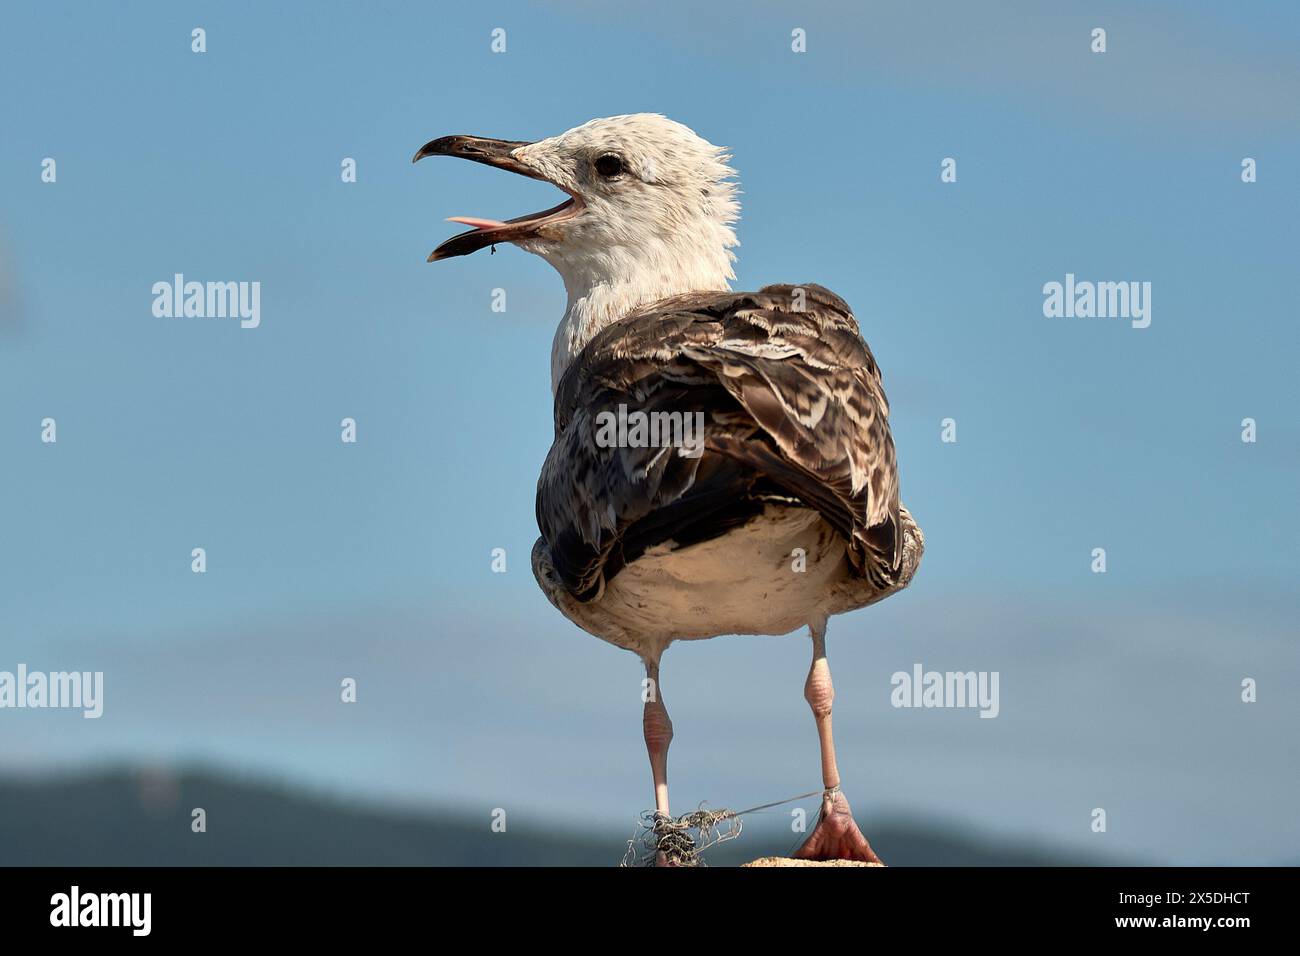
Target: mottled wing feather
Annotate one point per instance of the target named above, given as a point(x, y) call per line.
point(792, 399)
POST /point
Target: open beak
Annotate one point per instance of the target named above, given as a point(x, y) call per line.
point(488, 232)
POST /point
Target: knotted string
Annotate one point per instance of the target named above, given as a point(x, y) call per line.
point(659, 833)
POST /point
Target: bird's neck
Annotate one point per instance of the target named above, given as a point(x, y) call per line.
point(597, 299)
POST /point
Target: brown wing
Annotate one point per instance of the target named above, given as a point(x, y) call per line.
point(792, 407)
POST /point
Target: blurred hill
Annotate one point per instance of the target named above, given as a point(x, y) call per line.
point(133, 817)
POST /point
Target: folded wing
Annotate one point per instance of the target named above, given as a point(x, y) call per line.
point(792, 410)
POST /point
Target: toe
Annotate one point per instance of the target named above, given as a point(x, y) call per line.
point(836, 836)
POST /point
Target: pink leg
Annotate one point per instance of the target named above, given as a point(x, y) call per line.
point(836, 836)
point(658, 735)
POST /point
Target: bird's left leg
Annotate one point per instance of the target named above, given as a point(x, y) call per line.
point(658, 730)
point(836, 836)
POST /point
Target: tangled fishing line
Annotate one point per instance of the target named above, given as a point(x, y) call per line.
point(659, 833)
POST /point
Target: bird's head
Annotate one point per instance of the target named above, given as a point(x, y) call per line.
point(648, 198)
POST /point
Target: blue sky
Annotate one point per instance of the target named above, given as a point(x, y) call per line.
point(372, 560)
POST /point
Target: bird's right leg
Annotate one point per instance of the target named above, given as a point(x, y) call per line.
point(658, 731)
point(836, 836)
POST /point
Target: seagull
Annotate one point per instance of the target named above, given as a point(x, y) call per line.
point(784, 512)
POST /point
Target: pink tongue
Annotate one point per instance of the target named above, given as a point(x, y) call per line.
point(475, 222)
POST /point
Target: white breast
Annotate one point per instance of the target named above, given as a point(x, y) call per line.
point(780, 571)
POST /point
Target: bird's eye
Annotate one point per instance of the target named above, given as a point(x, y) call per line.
point(609, 165)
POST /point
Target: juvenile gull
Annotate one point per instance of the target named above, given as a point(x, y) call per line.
point(786, 512)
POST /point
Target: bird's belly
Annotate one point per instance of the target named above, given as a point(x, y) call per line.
point(776, 573)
